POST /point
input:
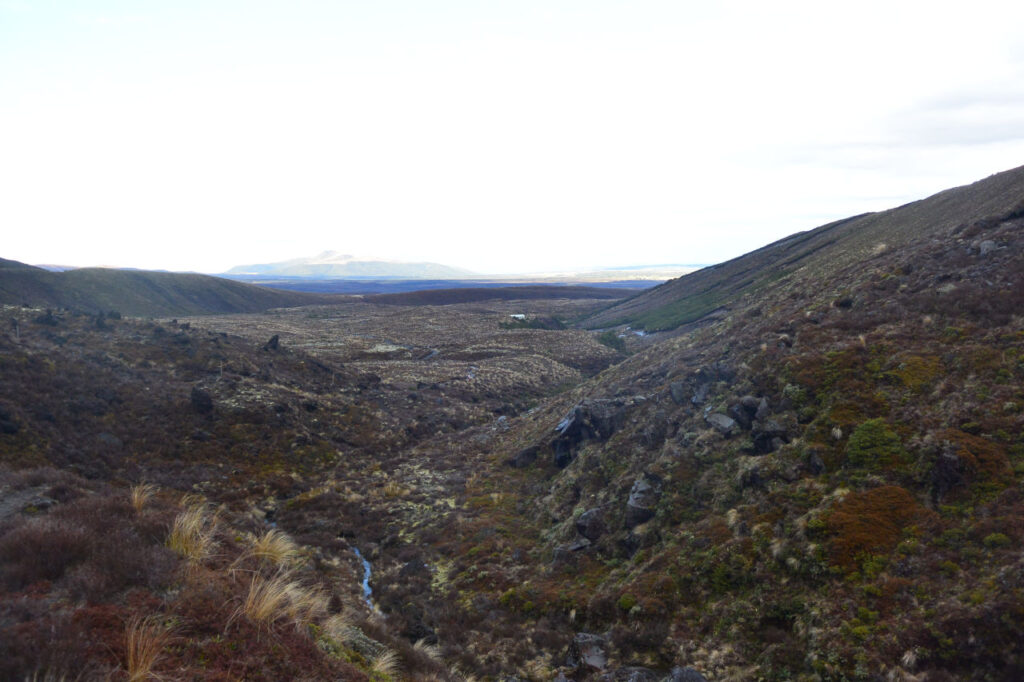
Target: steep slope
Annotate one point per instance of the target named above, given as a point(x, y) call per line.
point(809, 257)
point(140, 292)
point(825, 483)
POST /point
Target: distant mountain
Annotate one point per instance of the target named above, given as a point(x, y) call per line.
point(334, 265)
point(808, 259)
point(140, 292)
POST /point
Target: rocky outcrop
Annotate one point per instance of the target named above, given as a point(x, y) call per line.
point(631, 674)
point(201, 401)
point(643, 498)
point(723, 424)
point(524, 457)
point(768, 436)
point(698, 385)
point(587, 651)
point(591, 419)
point(590, 524)
point(679, 674)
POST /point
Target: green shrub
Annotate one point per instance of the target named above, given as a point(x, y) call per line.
point(612, 340)
point(996, 540)
point(873, 445)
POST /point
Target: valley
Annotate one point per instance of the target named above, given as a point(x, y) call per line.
point(810, 469)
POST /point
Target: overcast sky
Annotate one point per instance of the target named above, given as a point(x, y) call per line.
point(499, 136)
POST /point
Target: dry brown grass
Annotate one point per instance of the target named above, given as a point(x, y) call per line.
point(140, 495)
point(144, 641)
point(276, 548)
point(386, 663)
point(192, 534)
point(270, 600)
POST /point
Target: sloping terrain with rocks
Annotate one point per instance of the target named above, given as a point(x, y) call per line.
point(819, 481)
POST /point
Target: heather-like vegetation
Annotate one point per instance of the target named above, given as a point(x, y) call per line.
point(816, 480)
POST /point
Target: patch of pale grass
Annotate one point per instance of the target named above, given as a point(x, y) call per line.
point(144, 641)
point(394, 489)
point(276, 548)
point(140, 495)
point(385, 663)
point(341, 627)
point(431, 651)
point(272, 599)
point(192, 533)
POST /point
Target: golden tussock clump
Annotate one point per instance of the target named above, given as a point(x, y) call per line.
point(192, 534)
point(272, 599)
point(140, 495)
point(144, 641)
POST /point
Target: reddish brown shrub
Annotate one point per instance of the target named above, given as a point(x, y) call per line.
point(41, 549)
point(872, 522)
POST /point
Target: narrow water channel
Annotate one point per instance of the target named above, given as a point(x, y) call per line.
point(367, 571)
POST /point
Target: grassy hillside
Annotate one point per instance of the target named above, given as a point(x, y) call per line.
point(810, 257)
point(139, 292)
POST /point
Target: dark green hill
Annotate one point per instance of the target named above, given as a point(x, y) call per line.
point(140, 292)
point(812, 256)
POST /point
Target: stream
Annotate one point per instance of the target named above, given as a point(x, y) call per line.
point(367, 572)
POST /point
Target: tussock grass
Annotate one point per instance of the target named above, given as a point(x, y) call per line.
point(140, 495)
point(341, 627)
point(276, 548)
point(46, 676)
point(386, 663)
point(270, 600)
point(431, 651)
point(192, 533)
point(144, 641)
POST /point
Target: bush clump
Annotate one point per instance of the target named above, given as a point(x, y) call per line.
point(873, 445)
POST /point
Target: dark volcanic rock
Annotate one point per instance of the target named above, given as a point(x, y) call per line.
point(724, 424)
point(590, 523)
point(742, 417)
point(201, 401)
point(273, 344)
point(524, 457)
point(587, 651)
point(685, 675)
point(591, 419)
point(678, 391)
point(768, 436)
point(8, 424)
point(630, 674)
point(643, 498)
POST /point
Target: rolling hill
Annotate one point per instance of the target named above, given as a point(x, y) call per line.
point(806, 259)
point(139, 292)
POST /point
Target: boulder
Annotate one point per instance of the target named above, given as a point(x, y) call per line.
point(524, 457)
point(590, 523)
point(591, 419)
point(273, 344)
point(741, 415)
point(201, 401)
point(723, 423)
point(679, 674)
point(8, 424)
point(815, 464)
point(678, 391)
point(987, 247)
point(587, 651)
point(630, 674)
point(643, 498)
point(768, 436)
point(763, 410)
